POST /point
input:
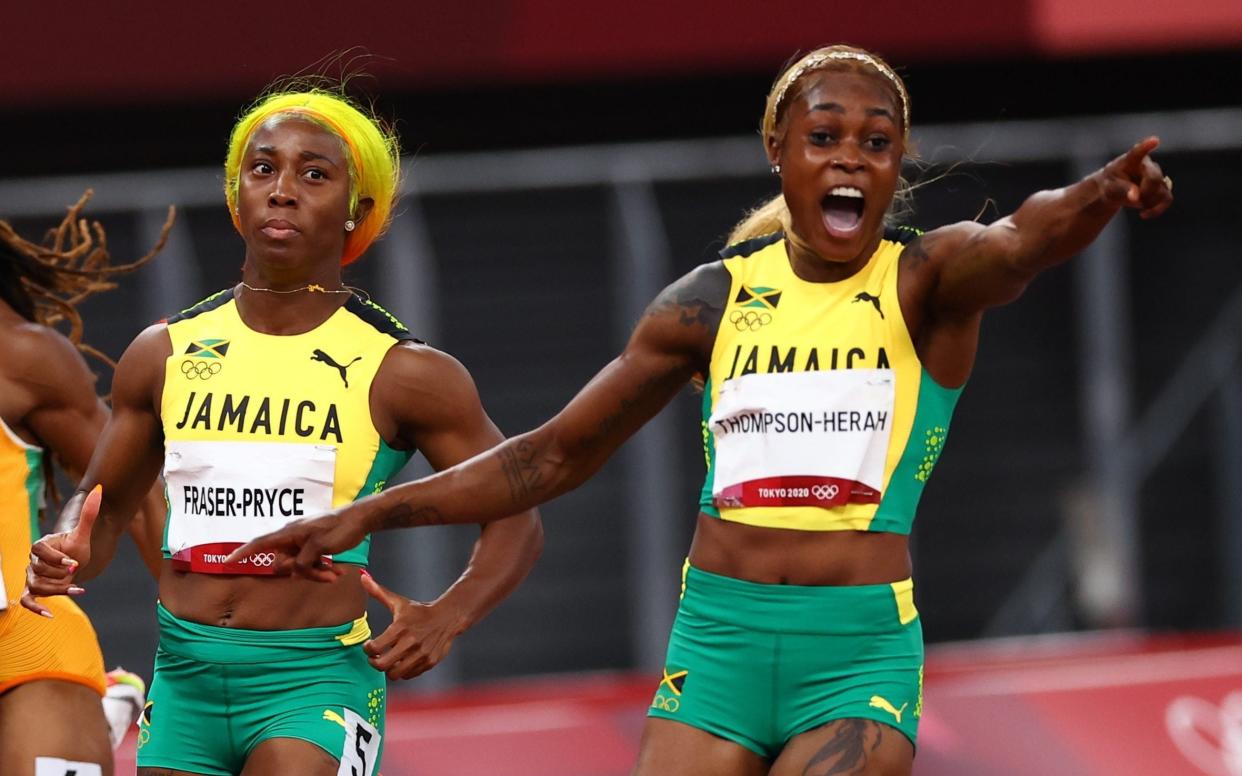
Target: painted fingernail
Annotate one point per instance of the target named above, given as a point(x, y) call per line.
point(70, 562)
point(46, 614)
point(75, 590)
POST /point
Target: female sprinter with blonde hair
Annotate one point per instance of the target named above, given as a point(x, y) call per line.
point(284, 396)
point(51, 670)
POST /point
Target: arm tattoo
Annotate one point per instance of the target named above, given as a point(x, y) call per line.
point(405, 516)
point(846, 752)
point(698, 299)
point(521, 466)
point(914, 255)
point(624, 406)
point(697, 311)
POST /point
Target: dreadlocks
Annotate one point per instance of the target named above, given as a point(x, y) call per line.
point(45, 282)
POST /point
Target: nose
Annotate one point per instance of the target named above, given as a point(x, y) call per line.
point(848, 158)
point(281, 194)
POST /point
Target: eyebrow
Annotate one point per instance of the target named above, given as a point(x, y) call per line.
point(308, 155)
point(833, 107)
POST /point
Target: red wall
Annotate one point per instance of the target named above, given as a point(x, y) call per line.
point(56, 54)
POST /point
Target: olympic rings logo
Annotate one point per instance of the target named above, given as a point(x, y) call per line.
point(262, 559)
point(665, 704)
point(825, 492)
point(749, 319)
point(203, 370)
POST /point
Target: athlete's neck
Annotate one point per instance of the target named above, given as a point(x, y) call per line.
point(287, 299)
point(813, 268)
point(285, 315)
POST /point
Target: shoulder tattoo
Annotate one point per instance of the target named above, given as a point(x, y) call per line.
point(914, 255)
point(698, 299)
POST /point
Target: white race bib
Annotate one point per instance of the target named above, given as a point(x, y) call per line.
point(223, 494)
point(55, 766)
point(362, 742)
point(803, 438)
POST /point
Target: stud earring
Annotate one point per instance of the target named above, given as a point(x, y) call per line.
point(776, 169)
point(349, 225)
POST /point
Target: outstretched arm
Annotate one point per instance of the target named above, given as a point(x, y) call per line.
point(951, 275)
point(977, 267)
point(671, 343)
point(125, 462)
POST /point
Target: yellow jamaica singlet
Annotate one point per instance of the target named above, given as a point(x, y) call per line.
point(260, 430)
point(817, 414)
point(33, 647)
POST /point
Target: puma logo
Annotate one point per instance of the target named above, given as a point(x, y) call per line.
point(879, 703)
point(319, 355)
point(863, 296)
point(332, 716)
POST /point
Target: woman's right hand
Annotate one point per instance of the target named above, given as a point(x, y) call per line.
point(55, 558)
point(304, 547)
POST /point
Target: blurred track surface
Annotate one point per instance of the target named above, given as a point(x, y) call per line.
point(1081, 705)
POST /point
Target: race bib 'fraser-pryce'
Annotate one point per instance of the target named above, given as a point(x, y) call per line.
point(223, 494)
point(802, 439)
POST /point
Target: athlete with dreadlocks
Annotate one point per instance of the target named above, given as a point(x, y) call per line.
point(51, 670)
point(284, 396)
point(833, 350)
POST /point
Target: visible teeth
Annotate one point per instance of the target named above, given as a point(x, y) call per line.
point(845, 191)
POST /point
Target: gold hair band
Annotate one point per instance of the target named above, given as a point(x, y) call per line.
point(815, 61)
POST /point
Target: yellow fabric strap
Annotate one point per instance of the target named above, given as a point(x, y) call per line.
point(357, 634)
point(903, 594)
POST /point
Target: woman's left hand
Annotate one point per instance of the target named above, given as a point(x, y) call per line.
point(419, 637)
point(1136, 181)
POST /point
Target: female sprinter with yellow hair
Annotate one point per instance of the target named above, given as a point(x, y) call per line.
point(284, 396)
point(833, 350)
point(51, 670)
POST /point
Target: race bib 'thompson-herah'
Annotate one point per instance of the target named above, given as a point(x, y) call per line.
point(223, 494)
point(802, 439)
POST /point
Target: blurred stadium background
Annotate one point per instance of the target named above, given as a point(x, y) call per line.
point(1079, 552)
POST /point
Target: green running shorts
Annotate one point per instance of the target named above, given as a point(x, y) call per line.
point(758, 664)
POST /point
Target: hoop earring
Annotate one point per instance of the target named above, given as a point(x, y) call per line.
point(349, 226)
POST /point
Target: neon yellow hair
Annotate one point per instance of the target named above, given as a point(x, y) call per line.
point(372, 152)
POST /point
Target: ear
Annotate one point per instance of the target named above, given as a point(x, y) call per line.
point(773, 147)
point(363, 210)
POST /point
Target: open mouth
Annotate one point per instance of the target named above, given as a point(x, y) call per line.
point(843, 210)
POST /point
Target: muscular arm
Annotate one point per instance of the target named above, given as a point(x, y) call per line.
point(951, 275)
point(671, 343)
point(430, 403)
point(129, 454)
point(68, 419)
point(987, 266)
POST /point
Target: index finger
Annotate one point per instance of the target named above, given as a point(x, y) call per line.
point(51, 556)
point(270, 542)
point(1133, 161)
point(28, 601)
